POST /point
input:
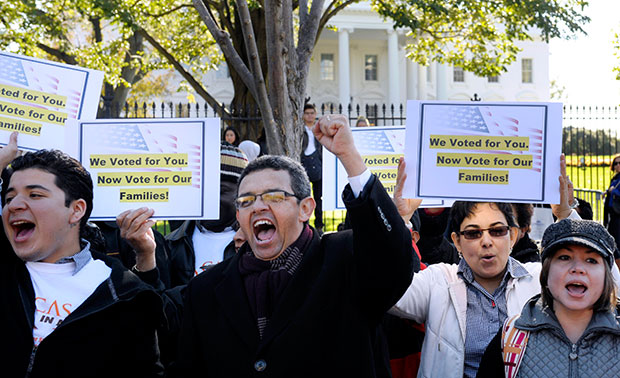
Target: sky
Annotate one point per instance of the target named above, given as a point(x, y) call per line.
point(584, 66)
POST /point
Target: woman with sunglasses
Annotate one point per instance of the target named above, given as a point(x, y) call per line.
point(463, 305)
point(611, 217)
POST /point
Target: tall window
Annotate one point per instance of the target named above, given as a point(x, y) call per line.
point(458, 75)
point(493, 79)
point(527, 71)
point(327, 66)
point(370, 67)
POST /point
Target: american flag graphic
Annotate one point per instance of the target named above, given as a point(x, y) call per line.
point(128, 138)
point(12, 71)
point(374, 141)
point(485, 120)
point(31, 74)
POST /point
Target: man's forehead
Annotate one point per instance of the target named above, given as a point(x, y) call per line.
point(30, 176)
point(267, 178)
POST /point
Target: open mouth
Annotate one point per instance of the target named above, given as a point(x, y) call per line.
point(576, 288)
point(488, 257)
point(23, 229)
point(264, 230)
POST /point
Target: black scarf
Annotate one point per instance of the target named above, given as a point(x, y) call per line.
point(265, 281)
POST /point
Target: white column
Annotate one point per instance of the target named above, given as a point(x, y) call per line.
point(344, 85)
point(412, 79)
point(422, 95)
point(393, 77)
point(442, 81)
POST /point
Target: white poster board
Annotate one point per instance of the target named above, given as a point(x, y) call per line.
point(170, 165)
point(506, 152)
point(38, 96)
point(381, 148)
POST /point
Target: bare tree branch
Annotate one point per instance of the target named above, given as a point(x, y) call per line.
point(274, 143)
point(219, 108)
point(331, 12)
point(308, 34)
point(223, 40)
point(62, 56)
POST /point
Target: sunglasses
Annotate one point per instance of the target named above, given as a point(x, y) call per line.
point(495, 232)
point(616, 163)
point(271, 197)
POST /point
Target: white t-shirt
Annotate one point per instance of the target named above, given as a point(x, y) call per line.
point(209, 247)
point(311, 147)
point(58, 291)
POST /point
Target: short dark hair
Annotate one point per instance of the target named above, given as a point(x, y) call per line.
point(463, 209)
point(606, 302)
point(523, 214)
point(71, 177)
point(299, 178)
point(309, 106)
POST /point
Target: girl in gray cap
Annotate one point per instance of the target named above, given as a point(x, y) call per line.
point(570, 329)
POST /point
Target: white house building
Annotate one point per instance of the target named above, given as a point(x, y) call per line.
point(364, 63)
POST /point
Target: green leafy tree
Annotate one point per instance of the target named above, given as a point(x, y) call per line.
point(105, 35)
point(480, 35)
point(268, 44)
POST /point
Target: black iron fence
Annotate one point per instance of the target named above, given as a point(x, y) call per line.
point(590, 135)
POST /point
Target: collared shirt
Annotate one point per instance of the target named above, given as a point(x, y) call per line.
point(311, 147)
point(486, 312)
point(80, 259)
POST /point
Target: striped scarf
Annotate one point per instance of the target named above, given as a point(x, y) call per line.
point(265, 281)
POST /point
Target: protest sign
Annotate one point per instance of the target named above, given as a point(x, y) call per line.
point(484, 151)
point(38, 96)
point(170, 165)
point(381, 149)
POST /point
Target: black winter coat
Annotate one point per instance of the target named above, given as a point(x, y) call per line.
point(112, 334)
point(326, 321)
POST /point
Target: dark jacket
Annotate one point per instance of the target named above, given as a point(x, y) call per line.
point(112, 334)
point(182, 260)
point(326, 321)
point(117, 247)
point(525, 250)
point(313, 163)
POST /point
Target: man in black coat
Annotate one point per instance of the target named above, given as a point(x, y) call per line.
point(67, 311)
point(293, 303)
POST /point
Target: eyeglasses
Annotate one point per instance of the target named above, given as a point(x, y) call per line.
point(616, 163)
point(271, 197)
point(495, 232)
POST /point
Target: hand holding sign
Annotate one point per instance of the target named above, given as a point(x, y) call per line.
point(333, 132)
point(135, 227)
point(9, 152)
point(406, 206)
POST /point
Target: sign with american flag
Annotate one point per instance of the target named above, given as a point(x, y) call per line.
point(381, 149)
point(171, 165)
point(506, 152)
point(37, 97)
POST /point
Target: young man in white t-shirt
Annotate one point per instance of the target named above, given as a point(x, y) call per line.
point(67, 311)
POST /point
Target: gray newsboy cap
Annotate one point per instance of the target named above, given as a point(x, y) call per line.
point(582, 232)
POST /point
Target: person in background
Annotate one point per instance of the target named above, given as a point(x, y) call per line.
point(571, 327)
point(250, 149)
point(68, 311)
point(312, 161)
point(434, 246)
point(232, 136)
point(525, 250)
point(362, 122)
point(611, 213)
